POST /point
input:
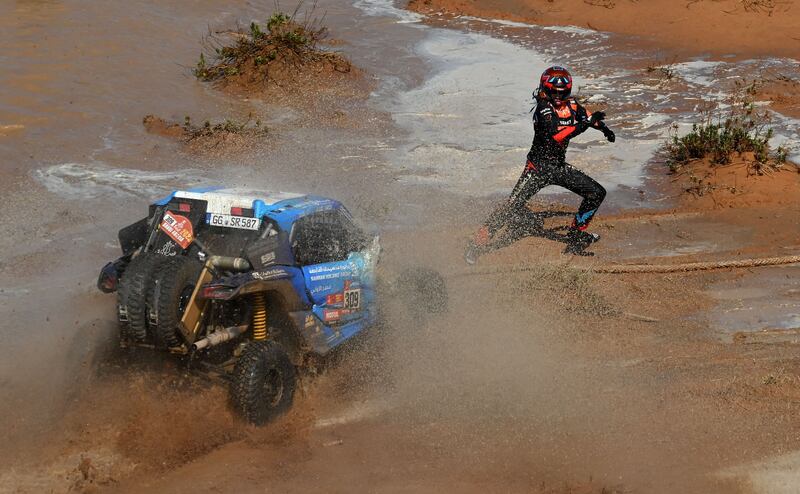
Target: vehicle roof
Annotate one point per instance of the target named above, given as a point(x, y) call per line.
point(283, 207)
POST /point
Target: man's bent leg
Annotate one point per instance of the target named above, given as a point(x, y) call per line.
point(530, 182)
point(593, 194)
point(589, 189)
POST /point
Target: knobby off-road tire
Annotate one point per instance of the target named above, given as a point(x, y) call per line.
point(132, 294)
point(264, 381)
point(171, 291)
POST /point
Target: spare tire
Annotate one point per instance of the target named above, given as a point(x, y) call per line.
point(172, 288)
point(132, 295)
point(264, 381)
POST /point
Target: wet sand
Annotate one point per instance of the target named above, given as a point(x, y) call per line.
point(529, 384)
point(723, 29)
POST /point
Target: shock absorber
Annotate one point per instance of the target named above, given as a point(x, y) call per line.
point(259, 316)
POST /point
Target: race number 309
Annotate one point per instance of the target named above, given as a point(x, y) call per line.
point(352, 299)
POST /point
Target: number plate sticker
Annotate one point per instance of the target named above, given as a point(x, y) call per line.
point(352, 299)
point(229, 221)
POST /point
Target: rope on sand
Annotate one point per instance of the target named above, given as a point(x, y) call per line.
point(640, 268)
point(695, 266)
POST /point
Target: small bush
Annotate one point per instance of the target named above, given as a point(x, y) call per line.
point(283, 37)
point(744, 130)
point(763, 6)
point(207, 129)
point(661, 71)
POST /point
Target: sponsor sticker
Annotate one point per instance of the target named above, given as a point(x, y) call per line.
point(269, 274)
point(330, 315)
point(167, 250)
point(268, 258)
point(309, 322)
point(335, 299)
point(178, 228)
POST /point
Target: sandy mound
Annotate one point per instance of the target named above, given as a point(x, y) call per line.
point(285, 57)
point(739, 184)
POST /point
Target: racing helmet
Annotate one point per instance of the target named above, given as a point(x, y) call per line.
point(555, 84)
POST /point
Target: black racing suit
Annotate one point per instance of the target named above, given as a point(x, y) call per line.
point(546, 164)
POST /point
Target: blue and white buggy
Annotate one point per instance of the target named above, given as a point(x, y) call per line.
point(250, 283)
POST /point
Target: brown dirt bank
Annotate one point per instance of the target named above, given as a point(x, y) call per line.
point(721, 27)
point(703, 186)
point(224, 138)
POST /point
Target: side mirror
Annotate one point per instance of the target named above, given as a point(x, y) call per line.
point(269, 251)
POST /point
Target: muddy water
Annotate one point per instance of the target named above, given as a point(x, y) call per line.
point(452, 125)
point(768, 299)
point(470, 124)
point(76, 163)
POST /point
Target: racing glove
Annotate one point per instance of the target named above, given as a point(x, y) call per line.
point(609, 134)
point(596, 118)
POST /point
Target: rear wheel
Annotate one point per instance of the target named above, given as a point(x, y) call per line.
point(132, 295)
point(169, 298)
point(264, 381)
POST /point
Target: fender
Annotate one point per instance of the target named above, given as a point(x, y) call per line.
point(286, 281)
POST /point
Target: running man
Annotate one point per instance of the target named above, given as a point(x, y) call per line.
point(557, 118)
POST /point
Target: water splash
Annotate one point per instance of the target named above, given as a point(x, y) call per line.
point(96, 180)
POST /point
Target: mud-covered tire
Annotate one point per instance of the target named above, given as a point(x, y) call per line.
point(132, 295)
point(263, 383)
point(172, 287)
point(423, 291)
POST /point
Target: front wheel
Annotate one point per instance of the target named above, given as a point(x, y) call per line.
point(264, 381)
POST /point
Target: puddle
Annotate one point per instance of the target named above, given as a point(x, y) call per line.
point(767, 298)
point(673, 236)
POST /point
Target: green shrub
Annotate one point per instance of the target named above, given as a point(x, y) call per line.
point(284, 37)
point(246, 128)
point(744, 130)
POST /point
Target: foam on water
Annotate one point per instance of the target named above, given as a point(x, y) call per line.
point(572, 30)
point(95, 180)
point(386, 8)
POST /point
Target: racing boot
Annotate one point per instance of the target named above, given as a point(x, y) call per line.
point(578, 240)
point(477, 245)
